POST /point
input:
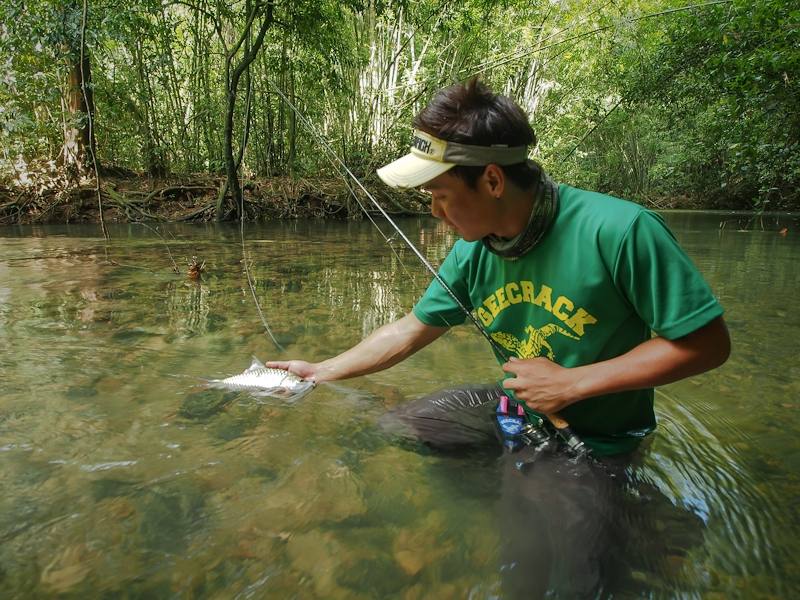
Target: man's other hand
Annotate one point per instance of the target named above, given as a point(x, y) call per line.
point(540, 383)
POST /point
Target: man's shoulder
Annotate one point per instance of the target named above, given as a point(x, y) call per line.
point(599, 204)
point(600, 212)
point(465, 250)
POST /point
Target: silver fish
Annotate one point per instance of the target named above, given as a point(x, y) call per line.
point(265, 381)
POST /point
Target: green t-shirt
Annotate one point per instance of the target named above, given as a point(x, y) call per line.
point(606, 274)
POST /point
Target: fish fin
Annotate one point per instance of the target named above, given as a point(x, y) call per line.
point(273, 392)
point(300, 391)
point(256, 364)
point(285, 394)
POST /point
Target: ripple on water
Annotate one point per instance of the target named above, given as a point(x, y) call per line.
point(120, 479)
point(692, 466)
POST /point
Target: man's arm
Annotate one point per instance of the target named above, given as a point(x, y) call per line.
point(383, 348)
point(547, 387)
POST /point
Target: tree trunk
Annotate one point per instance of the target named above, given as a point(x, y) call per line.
point(78, 139)
point(230, 163)
point(154, 159)
point(292, 124)
point(232, 82)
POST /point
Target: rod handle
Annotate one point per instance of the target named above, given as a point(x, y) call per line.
point(557, 421)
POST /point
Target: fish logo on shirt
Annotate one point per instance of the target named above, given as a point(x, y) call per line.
point(536, 342)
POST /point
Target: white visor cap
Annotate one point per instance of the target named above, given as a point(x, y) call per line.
point(431, 156)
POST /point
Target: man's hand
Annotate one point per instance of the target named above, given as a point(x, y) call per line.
point(301, 368)
point(540, 383)
point(547, 387)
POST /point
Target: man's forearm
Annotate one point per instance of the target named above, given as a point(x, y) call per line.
point(656, 362)
point(383, 348)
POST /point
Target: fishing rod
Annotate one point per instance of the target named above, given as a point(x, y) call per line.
point(499, 349)
point(573, 442)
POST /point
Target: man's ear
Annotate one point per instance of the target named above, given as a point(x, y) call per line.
point(495, 180)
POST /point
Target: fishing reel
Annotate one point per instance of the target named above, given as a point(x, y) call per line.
point(515, 428)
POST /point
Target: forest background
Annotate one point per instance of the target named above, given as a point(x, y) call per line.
point(182, 107)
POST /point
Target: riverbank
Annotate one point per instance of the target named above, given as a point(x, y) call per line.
point(134, 198)
point(129, 197)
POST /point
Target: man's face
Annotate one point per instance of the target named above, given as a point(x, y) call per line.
point(468, 211)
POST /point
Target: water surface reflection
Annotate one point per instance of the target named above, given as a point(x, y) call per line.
point(121, 475)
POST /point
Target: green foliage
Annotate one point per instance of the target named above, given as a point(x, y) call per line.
point(724, 81)
point(631, 97)
point(34, 39)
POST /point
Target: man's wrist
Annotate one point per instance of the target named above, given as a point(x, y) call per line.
point(583, 383)
point(324, 371)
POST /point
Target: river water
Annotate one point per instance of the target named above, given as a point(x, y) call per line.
point(123, 477)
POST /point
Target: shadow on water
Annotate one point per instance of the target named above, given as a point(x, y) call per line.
point(206, 403)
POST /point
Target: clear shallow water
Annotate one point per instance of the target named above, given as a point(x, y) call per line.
point(122, 477)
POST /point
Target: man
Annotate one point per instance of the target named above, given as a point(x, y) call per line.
point(570, 283)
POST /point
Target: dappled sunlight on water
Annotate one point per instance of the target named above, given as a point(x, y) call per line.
point(123, 475)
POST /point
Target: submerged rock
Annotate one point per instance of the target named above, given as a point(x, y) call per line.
point(425, 544)
point(69, 568)
point(397, 484)
point(169, 514)
point(317, 491)
point(205, 403)
point(281, 504)
point(111, 488)
point(320, 557)
point(80, 392)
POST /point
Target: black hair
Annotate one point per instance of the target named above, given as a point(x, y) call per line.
point(470, 113)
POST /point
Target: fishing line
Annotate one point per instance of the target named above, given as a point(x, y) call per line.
point(241, 223)
point(484, 66)
point(497, 348)
point(90, 123)
point(251, 284)
point(163, 241)
point(388, 240)
point(562, 428)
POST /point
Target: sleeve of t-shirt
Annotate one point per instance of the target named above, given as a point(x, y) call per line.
point(660, 280)
point(437, 307)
